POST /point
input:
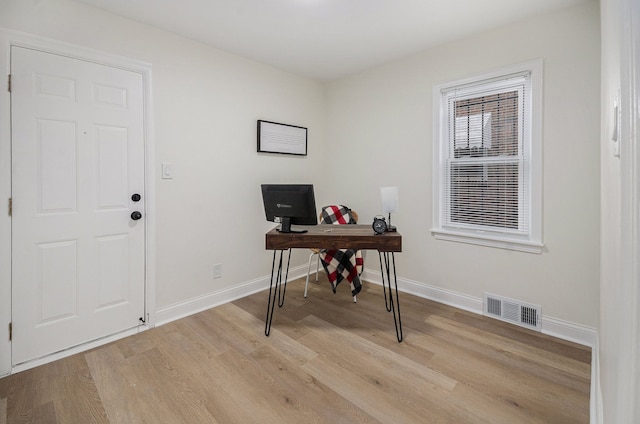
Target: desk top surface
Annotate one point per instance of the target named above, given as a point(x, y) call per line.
point(331, 236)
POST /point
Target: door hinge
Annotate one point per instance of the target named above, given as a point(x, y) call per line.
point(9, 83)
point(10, 206)
point(10, 331)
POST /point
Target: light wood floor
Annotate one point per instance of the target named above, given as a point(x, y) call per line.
point(327, 360)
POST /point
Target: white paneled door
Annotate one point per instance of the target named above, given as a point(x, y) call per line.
point(77, 169)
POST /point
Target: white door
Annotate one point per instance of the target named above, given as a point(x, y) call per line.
point(77, 161)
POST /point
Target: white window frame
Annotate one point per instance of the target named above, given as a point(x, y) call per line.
point(529, 239)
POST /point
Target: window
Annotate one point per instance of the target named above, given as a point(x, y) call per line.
point(487, 159)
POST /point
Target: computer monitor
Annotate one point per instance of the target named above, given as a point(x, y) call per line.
point(290, 204)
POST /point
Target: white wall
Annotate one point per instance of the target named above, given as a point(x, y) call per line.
point(383, 118)
point(206, 103)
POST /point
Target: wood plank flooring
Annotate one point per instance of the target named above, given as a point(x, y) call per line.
point(327, 360)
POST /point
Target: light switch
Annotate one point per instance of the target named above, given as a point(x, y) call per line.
point(167, 171)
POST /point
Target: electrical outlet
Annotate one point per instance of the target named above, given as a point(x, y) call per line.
point(217, 271)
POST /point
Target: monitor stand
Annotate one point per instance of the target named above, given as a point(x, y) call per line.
point(286, 227)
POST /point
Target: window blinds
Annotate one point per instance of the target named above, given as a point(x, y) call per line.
point(485, 174)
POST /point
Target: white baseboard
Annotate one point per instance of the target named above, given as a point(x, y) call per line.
point(565, 330)
point(552, 326)
point(426, 291)
point(166, 315)
point(179, 310)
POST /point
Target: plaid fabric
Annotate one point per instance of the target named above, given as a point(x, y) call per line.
point(336, 215)
point(341, 264)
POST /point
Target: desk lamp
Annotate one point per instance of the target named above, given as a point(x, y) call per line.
point(389, 198)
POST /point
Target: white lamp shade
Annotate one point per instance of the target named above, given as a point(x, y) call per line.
point(389, 197)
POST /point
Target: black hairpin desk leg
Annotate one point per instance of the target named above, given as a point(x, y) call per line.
point(276, 287)
point(391, 304)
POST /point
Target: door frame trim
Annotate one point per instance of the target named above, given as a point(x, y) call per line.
point(9, 38)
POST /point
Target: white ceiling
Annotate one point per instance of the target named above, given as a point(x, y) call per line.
point(327, 39)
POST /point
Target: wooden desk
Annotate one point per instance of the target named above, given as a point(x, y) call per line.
point(328, 236)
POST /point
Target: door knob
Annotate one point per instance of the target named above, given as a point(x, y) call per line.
point(136, 197)
point(135, 215)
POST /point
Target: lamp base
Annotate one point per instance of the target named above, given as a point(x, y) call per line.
point(391, 229)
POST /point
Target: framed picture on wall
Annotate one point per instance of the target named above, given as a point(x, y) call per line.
point(281, 138)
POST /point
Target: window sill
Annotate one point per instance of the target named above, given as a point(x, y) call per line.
point(488, 241)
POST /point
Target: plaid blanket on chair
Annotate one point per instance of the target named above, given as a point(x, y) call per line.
point(341, 264)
